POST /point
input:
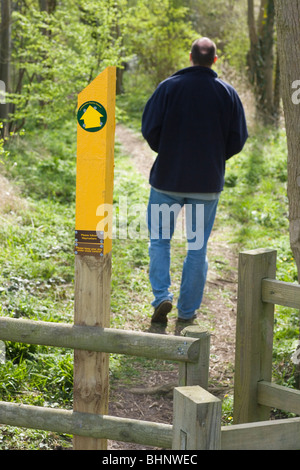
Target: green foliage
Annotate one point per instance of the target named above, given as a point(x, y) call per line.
point(3, 151)
point(226, 23)
point(162, 38)
point(56, 55)
point(255, 206)
point(46, 175)
point(255, 197)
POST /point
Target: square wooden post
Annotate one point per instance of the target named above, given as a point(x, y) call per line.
point(254, 334)
point(93, 242)
point(191, 373)
point(196, 419)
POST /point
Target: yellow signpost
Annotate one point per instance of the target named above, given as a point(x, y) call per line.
point(95, 160)
point(93, 241)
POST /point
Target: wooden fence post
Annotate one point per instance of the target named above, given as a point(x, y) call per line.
point(94, 197)
point(196, 420)
point(254, 334)
point(196, 373)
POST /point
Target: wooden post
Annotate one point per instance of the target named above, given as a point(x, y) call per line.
point(254, 335)
point(93, 241)
point(197, 419)
point(196, 373)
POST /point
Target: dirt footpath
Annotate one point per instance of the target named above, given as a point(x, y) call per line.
point(153, 400)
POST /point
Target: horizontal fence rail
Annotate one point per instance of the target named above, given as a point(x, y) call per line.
point(278, 396)
point(282, 434)
point(85, 424)
point(198, 419)
point(93, 338)
point(281, 293)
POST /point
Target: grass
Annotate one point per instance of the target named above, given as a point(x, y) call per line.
point(37, 261)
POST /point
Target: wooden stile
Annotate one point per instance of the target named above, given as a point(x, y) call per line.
point(93, 241)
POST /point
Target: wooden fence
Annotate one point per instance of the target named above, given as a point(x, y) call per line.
point(254, 392)
point(190, 351)
point(197, 413)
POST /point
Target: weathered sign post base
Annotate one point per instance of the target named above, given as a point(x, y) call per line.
point(93, 242)
point(91, 369)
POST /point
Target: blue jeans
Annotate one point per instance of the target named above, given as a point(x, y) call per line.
point(162, 214)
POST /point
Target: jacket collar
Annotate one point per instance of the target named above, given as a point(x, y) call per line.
point(196, 69)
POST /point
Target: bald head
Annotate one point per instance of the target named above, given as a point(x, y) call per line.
point(203, 52)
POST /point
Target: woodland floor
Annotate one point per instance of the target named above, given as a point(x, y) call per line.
point(151, 398)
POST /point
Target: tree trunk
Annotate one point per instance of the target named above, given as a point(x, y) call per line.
point(5, 55)
point(277, 94)
point(267, 98)
point(47, 5)
point(261, 58)
point(288, 34)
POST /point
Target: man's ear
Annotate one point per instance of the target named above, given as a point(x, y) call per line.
point(215, 59)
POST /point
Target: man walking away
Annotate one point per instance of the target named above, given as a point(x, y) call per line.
point(195, 122)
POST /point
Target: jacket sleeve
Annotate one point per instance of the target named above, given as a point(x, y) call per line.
point(153, 117)
point(238, 132)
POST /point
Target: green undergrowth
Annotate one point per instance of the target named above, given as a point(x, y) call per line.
point(37, 260)
point(255, 207)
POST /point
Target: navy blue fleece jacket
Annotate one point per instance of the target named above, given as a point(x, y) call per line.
point(195, 122)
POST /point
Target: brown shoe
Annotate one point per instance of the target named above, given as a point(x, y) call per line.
point(161, 312)
point(182, 323)
point(187, 321)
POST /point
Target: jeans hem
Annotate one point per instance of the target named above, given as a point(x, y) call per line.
point(157, 302)
point(185, 317)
